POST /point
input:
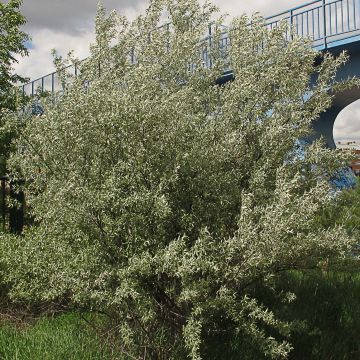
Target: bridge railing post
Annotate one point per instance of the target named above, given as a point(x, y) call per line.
point(53, 87)
point(209, 48)
point(291, 23)
point(323, 5)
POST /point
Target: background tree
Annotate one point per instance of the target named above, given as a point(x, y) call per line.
point(168, 202)
point(12, 43)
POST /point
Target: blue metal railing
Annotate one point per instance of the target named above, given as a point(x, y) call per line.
point(328, 23)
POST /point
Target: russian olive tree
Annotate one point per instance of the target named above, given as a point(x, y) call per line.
point(166, 200)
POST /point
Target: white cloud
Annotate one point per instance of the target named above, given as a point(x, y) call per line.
point(71, 16)
point(46, 37)
point(264, 7)
point(39, 62)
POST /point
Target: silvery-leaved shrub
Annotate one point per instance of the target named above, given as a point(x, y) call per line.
point(163, 199)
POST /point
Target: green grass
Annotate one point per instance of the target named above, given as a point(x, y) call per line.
point(327, 304)
point(327, 307)
point(58, 338)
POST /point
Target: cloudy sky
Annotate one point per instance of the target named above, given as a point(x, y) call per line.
point(67, 25)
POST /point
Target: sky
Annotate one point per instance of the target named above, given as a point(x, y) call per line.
point(67, 25)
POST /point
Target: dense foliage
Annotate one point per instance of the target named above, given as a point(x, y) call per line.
point(166, 201)
point(12, 43)
point(344, 210)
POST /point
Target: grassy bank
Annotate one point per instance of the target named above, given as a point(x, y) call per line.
point(326, 313)
point(327, 310)
point(56, 338)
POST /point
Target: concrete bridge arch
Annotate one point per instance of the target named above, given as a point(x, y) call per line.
point(325, 124)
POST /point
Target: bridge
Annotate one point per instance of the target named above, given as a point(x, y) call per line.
point(332, 25)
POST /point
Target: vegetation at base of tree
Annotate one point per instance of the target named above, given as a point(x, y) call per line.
point(174, 205)
point(327, 312)
point(53, 338)
point(327, 309)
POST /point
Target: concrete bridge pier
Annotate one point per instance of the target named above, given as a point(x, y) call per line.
point(324, 126)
